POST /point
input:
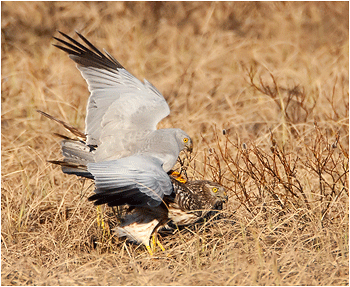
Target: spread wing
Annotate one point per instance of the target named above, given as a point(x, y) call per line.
point(121, 110)
point(135, 180)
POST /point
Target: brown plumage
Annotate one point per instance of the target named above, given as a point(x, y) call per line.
point(194, 199)
point(188, 203)
point(80, 135)
point(121, 113)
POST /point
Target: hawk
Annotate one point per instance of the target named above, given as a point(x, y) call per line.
point(189, 202)
point(122, 149)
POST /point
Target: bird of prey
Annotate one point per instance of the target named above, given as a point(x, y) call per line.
point(189, 202)
point(123, 151)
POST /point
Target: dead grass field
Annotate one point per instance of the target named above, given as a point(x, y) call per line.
point(262, 88)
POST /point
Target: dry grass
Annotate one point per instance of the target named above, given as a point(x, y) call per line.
point(273, 76)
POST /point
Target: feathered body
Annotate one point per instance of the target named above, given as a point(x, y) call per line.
point(125, 154)
point(122, 149)
point(189, 202)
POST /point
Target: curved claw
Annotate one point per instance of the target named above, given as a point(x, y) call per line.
point(155, 241)
point(160, 244)
point(149, 250)
point(177, 176)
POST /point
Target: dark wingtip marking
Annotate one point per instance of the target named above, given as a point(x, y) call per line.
point(88, 56)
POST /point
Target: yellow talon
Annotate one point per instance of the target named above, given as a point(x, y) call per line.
point(149, 250)
point(100, 220)
point(160, 245)
point(176, 175)
point(154, 242)
point(102, 224)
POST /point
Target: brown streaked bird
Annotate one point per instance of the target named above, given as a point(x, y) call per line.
point(122, 150)
point(188, 203)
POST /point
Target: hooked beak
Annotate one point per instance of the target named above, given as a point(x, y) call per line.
point(190, 148)
point(225, 197)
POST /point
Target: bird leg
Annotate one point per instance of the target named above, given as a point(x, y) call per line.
point(149, 250)
point(152, 247)
point(101, 223)
point(159, 244)
point(99, 219)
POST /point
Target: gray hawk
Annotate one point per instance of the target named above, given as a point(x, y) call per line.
point(122, 149)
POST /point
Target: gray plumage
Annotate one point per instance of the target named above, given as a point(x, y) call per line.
point(139, 176)
point(122, 149)
point(188, 203)
point(125, 154)
point(122, 112)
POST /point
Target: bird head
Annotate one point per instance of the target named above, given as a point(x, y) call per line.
point(185, 142)
point(217, 191)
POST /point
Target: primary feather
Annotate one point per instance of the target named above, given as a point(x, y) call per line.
point(121, 110)
point(122, 148)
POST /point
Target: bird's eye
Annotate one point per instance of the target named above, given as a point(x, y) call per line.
point(185, 140)
point(215, 189)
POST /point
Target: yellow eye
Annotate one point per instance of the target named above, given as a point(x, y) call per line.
point(185, 140)
point(215, 189)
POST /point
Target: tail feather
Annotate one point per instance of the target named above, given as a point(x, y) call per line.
point(72, 168)
point(80, 135)
point(77, 152)
point(62, 136)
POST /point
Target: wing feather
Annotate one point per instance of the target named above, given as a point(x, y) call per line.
point(112, 91)
point(128, 180)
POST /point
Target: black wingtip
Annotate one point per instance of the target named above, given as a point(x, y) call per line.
point(78, 33)
point(86, 55)
point(64, 34)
